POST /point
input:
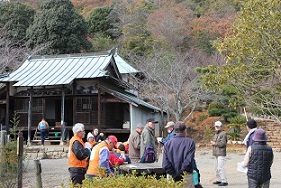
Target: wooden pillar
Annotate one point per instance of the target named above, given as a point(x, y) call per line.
point(62, 105)
point(44, 107)
point(99, 108)
point(30, 104)
point(62, 116)
point(7, 120)
point(74, 102)
point(20, 158)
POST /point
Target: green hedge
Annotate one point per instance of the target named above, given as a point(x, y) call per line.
point(130, 181)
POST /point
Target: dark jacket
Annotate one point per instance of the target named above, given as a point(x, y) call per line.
point(178, 156)
point(250, 139)
point(147, 139)
point(220, 139)
point(260, 162)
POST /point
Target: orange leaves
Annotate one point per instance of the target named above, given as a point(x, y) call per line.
point(213, 25)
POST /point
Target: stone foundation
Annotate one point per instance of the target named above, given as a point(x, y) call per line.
point(46, 152)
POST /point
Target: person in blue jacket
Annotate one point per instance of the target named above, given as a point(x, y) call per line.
point(171, 132)
point(179, 154)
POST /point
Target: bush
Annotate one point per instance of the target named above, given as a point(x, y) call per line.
point(236, 123)
point(234, 134)
point(9, 165)
point(238, 120)
point(130, 180)
point(9, 158)
point(228, 115)
point(216, 111)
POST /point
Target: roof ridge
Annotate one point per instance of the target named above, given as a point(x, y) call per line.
point(78, 55)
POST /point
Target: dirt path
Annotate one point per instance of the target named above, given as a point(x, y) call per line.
point(54, 171)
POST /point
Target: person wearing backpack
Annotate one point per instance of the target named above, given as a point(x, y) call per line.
point(178, 155)
point(147, 137)
point(43, 126)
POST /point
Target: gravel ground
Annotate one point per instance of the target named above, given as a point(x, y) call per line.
point(55, 173)
point(205, 163)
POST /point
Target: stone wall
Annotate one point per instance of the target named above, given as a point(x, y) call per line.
point(273, 131)
point(47, 152)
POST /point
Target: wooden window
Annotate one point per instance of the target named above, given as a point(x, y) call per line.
point(21, 105)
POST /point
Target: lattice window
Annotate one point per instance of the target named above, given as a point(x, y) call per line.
point(37, 106)
point(83, 104)
point(21, 105)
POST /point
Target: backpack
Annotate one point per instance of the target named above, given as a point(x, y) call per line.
point(148, 155)
point(41, 126)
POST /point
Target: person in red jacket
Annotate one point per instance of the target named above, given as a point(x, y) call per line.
point(114, 160)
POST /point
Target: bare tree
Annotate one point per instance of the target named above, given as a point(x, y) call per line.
point(170, 81)
point(12, 54)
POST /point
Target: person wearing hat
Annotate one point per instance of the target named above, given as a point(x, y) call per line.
point(219, 151)
point(258, 159)
point(178, 155)
point(134, 143)
point(99, 159)
point(78, 155)
point(251, 127)
point(171, 132)
point(90, 141)
point(147, 136)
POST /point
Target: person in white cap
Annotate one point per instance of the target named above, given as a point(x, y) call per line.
point(171, 132)
point(90, 141)
point(219, 151)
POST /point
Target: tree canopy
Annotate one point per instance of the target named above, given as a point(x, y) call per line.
point(253, 57)
point(58, 24)
point(15, 18)
point(155, 35)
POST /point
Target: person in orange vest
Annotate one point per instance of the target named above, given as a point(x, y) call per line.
point(78, 155)
point(99, 159)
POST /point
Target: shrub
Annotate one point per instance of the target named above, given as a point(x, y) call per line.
point(234, 134)
point(238, 120)
point(216, 111)
point(235, 127)
point(130, 180)
point(9, 158)
point(9, 165)
point(228, 115)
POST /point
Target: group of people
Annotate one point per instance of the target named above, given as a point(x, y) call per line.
point(258, 158)
point(95, 157)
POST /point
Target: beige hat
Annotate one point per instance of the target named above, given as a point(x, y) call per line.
point(170, 124)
